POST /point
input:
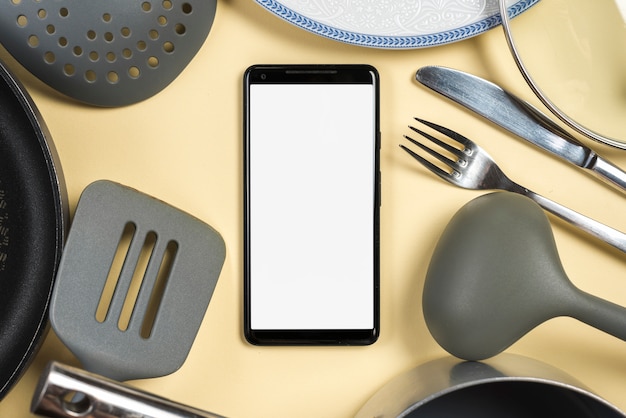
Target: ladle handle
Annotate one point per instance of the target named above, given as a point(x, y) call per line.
point(601, 314)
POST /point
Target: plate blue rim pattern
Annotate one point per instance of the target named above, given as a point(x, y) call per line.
point(392, 42)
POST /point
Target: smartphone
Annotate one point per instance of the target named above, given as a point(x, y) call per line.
point(311, 204)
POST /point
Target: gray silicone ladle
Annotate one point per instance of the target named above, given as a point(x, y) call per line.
point(496, 274)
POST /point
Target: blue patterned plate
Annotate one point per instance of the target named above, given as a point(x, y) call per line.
point(395, 24)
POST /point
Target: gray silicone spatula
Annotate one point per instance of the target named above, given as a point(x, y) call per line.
point(134, 283)
point(105, 53)
point(496, 274)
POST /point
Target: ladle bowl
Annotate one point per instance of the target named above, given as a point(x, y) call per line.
point(496, 274)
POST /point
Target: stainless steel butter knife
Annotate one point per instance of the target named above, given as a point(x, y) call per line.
point(519, 117)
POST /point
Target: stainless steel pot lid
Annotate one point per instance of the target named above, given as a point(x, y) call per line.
point(572, 55)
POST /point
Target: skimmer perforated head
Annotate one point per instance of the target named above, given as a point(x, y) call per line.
point(105, 53)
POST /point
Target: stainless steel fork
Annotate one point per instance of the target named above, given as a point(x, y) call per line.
point(472, 168)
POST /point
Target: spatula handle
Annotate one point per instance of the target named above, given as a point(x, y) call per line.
point(98, 396)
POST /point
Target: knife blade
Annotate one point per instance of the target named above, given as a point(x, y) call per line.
point(519, 117)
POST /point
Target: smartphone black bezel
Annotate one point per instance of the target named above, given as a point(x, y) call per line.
point(312, 74)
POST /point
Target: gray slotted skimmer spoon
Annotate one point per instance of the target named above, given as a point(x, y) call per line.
point(131, 308)
point(105, 53)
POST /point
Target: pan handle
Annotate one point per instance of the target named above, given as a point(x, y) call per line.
point(65, 391)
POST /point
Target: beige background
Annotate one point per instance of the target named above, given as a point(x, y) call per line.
point(185, 146)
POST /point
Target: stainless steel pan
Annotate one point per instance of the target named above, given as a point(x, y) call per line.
point(508, 385)
point(33, 218)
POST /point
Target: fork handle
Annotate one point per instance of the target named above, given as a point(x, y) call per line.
point(599, 230)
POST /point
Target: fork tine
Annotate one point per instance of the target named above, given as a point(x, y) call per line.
point(432, 167)
point(447, 132)
point(447, 161)
point(447, 147)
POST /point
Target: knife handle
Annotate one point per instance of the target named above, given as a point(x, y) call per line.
point(609, 173)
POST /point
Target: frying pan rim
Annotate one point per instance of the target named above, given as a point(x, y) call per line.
point(58, 187)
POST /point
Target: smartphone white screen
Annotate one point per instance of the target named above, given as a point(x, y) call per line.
point(312, 150)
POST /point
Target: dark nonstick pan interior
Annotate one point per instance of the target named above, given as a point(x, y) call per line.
point(32, 229)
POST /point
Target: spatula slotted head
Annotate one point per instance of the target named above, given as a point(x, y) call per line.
point(134, 283)
point(105, 53)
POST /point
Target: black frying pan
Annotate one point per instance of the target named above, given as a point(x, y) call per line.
point(33, 219)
